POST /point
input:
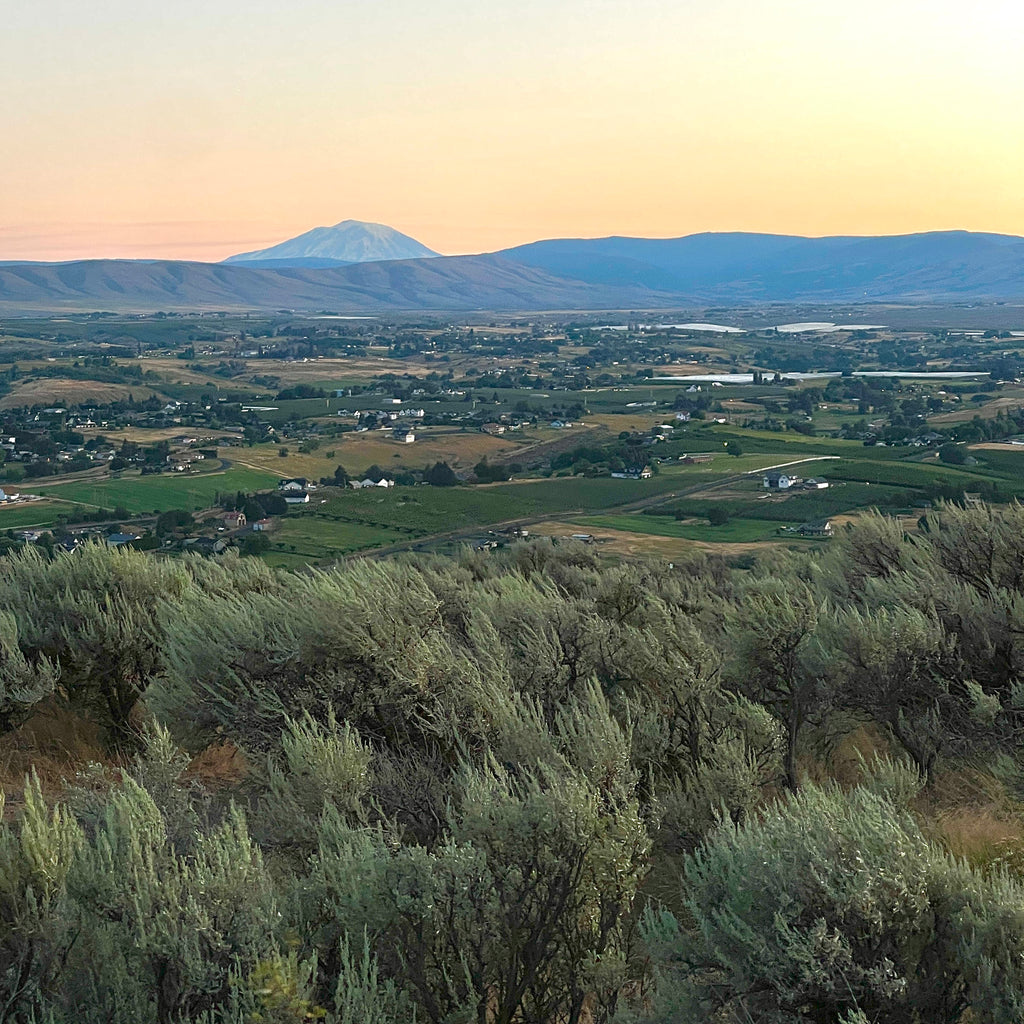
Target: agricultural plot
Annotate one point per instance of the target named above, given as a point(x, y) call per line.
point(357, 452)
point(735, 531)
point(56, 391)
point(407, 513)
point(904, 473)
point(36, 513)
point(305, 539)
point(158, 493)
point(801, 507)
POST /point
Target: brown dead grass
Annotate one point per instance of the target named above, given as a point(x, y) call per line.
point(175, 371)
point(56, 744)
point(69, 392)
point(220, 766)
point(979, 835)
point(145, 435)
point(845, 762)
point(62, 747)
point(355, 370)
point(966, 810)
point(640, 422)
point(357, 452)
point(633, 545)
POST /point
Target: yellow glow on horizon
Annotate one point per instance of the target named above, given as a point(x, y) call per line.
point(134, 130)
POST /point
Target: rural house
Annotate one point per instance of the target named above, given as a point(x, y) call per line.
point(818, 528)
point(776, 481)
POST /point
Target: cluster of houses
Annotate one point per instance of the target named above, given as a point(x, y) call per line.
point(498, 538)
point(775, 480)
point(816, 528)
point(184, 462)
point(295, 490)
point(382, 419)
point(505, 424)
point(74, 541)
point(19, 452)
point(367, 482)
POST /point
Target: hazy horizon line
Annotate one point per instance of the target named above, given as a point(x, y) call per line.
point(221, 250)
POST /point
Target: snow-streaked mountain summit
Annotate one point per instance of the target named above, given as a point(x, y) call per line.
point(351, 241)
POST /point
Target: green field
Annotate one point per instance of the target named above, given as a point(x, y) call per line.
point(300, 540)
point(38, 513)
point(903, 473)
point(361, 519)
point(736, 531)
point(158, 493)
point(429, 510)
point(798, 507)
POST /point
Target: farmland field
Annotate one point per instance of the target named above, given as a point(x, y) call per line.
point(798, 507)
point(55, 391)
point(153, 493)
point(36, 513)
point(411, 512)
point(302, 539)
point(357, 452)
point(736, 531)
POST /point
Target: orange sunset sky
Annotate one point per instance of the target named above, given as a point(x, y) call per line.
point(199, 128)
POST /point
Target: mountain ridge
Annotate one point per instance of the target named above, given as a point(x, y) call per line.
point(741, 266)
point(616, 272)
point(442, 283)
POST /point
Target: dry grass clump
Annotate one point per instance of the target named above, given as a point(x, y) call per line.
point(55, 743)
point(842, 759)
point(63, 748)
point(969, 810)
point(220, 766)
point(973, 814)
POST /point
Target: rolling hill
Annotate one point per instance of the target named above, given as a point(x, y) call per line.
point(445, 283)
point(603, 273)
point(743, 268)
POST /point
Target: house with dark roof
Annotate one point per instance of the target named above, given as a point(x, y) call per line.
point(776, 481)
point(818, 528)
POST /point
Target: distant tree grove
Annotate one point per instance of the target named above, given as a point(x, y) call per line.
point(519, 787)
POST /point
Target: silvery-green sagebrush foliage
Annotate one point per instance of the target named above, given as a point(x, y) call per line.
point(465, 776)
point(832, 905)
point(23, 683)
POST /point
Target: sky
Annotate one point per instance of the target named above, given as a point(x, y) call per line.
point(201, 128)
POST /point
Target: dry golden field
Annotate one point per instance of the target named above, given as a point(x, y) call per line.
point(357, 452)
point(57, 391)
point(634, 545)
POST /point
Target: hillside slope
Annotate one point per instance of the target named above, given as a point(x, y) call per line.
point(445, 283)
point(740, 267)
point(604, 273)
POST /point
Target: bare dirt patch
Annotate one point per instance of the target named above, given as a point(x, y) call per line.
point(633, 545)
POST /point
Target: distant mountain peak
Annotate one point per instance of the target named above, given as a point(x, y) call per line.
point(351, 241)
